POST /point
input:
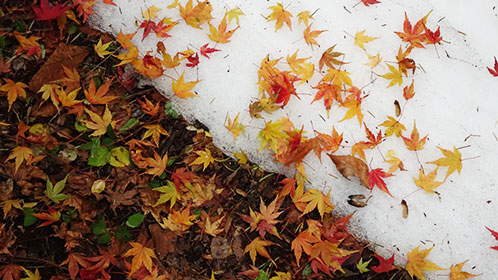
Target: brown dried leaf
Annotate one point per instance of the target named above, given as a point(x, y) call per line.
point(67, 55)
point(349, 165)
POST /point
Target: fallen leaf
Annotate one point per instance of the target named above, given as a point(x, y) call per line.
point(13, 89)
point(385, 265)
point(182, 89)
point(456, 272)
point(360, 39)
point(142, 256)
point(417, 263)
point(349, 165)
point(427, 182)
point(257, 246)
point(451, 159)
point(280, 16)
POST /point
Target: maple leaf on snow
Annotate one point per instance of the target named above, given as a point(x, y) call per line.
point(309, 36)
point(196, 15)
point(280, 15)
point(182, 89)
point(417, 263)
point(452, 159)
point(427, 182)
point(414, 143)
point(312, 199)
point(47, 12)
point(414, 35)
point(494, 71)
point(385, 265)
point(206, 50)
point(221, 35)
point(394, 76)
point(369, 2)
point(360, 39)
point(394, 127)
point(376, 178)
point(142, 256)
point(495, 235)
point(456, 272)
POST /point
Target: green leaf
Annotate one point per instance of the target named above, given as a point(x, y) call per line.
point(99, 155)
point(123, 234)
point(362, 266)
point(262, 275)
point(104, 239)
point(154, 184)
point(169, 193)
point(129, 124)
point(100, 227)
point(110, 133)
point(307, 270)
point(55, 192)
point(135, 220)
point(79, 126)
point(28, 218)
point(120, 157)
point(170, 111)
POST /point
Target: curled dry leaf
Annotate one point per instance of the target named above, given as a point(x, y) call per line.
point(405, 208)
point(350, 165)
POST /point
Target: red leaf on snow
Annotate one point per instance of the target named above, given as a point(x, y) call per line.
point(148, 26)
point(384, 265)
point(433, 37)
point(205, 50)
point(369, 2)
point(46, 12)
point(193, 60)
point(109, 2)
point(495, 71)
point(376, 177)
point(495, 234)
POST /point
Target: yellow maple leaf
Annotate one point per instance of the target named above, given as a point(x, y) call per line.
point(13, 89)
point(417, 263)
point(456, 272)
point(204, 157)
point(360, 39)
point(30, 45)
point(154, 130)
point(273, 132)
point(20, 154)
point(8, 204)
point(168, 193)
point(221, 35)
point(128, 57)
point(142, 256)
point(235, 127)
point(394, 76)
point(179, 220)
point(234, 13)
point(452, 159)
point(354, 109)
point(304, 17)
point(170, 62)
point(338, 77)
point(394, 161)
point(31, 275)
point(213, 228)
point(309, 36)
point(97, 123)
point(101, 49)
point(196, 15)
point(374, 60)
point(427, 182)
point(394, 127)
point(182, 89)
point(280, 15)
point(151, 12)
point(68, 99)
point(242, 157)
point(282, 276)
point(50, 91)
point(124, 39)
point(176, 3)
point(312, 199)
point(257, 246)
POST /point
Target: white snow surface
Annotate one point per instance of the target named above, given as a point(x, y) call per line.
point(455, 97)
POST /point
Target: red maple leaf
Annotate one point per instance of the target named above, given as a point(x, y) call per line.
point(495, 71)
point(148, 26)
point(433, 37)
point(193, 60)
point(369, 2)
point(283, 87)
point(384, 265)
point(205, 50)
point(376, 177)
point(48, 12)
point(109, 2)
point(495, 234)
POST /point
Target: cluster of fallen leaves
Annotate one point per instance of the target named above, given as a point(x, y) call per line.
point(96, 170)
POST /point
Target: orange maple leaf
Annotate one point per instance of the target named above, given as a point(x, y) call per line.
point(329, 143)
point(456, 272)
point(265, 220)
point(99, 96)
point(221, 35)
point(98, 123)
point(280, 15)
point(157, 163)
point(142, 256)
point(179, 220)
point(50, 217)
point(376, 178)
point(30, 45)
point(414, 35)
point(257, 246)
point(309, 36)
point(329, 92)
point(13, 89)
point(303, 242)
point(74, 261)
point(312, 199)
point(148, 107)
point(149, 66)
point(408, 92)
point(196, 15)
point(414, 143)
